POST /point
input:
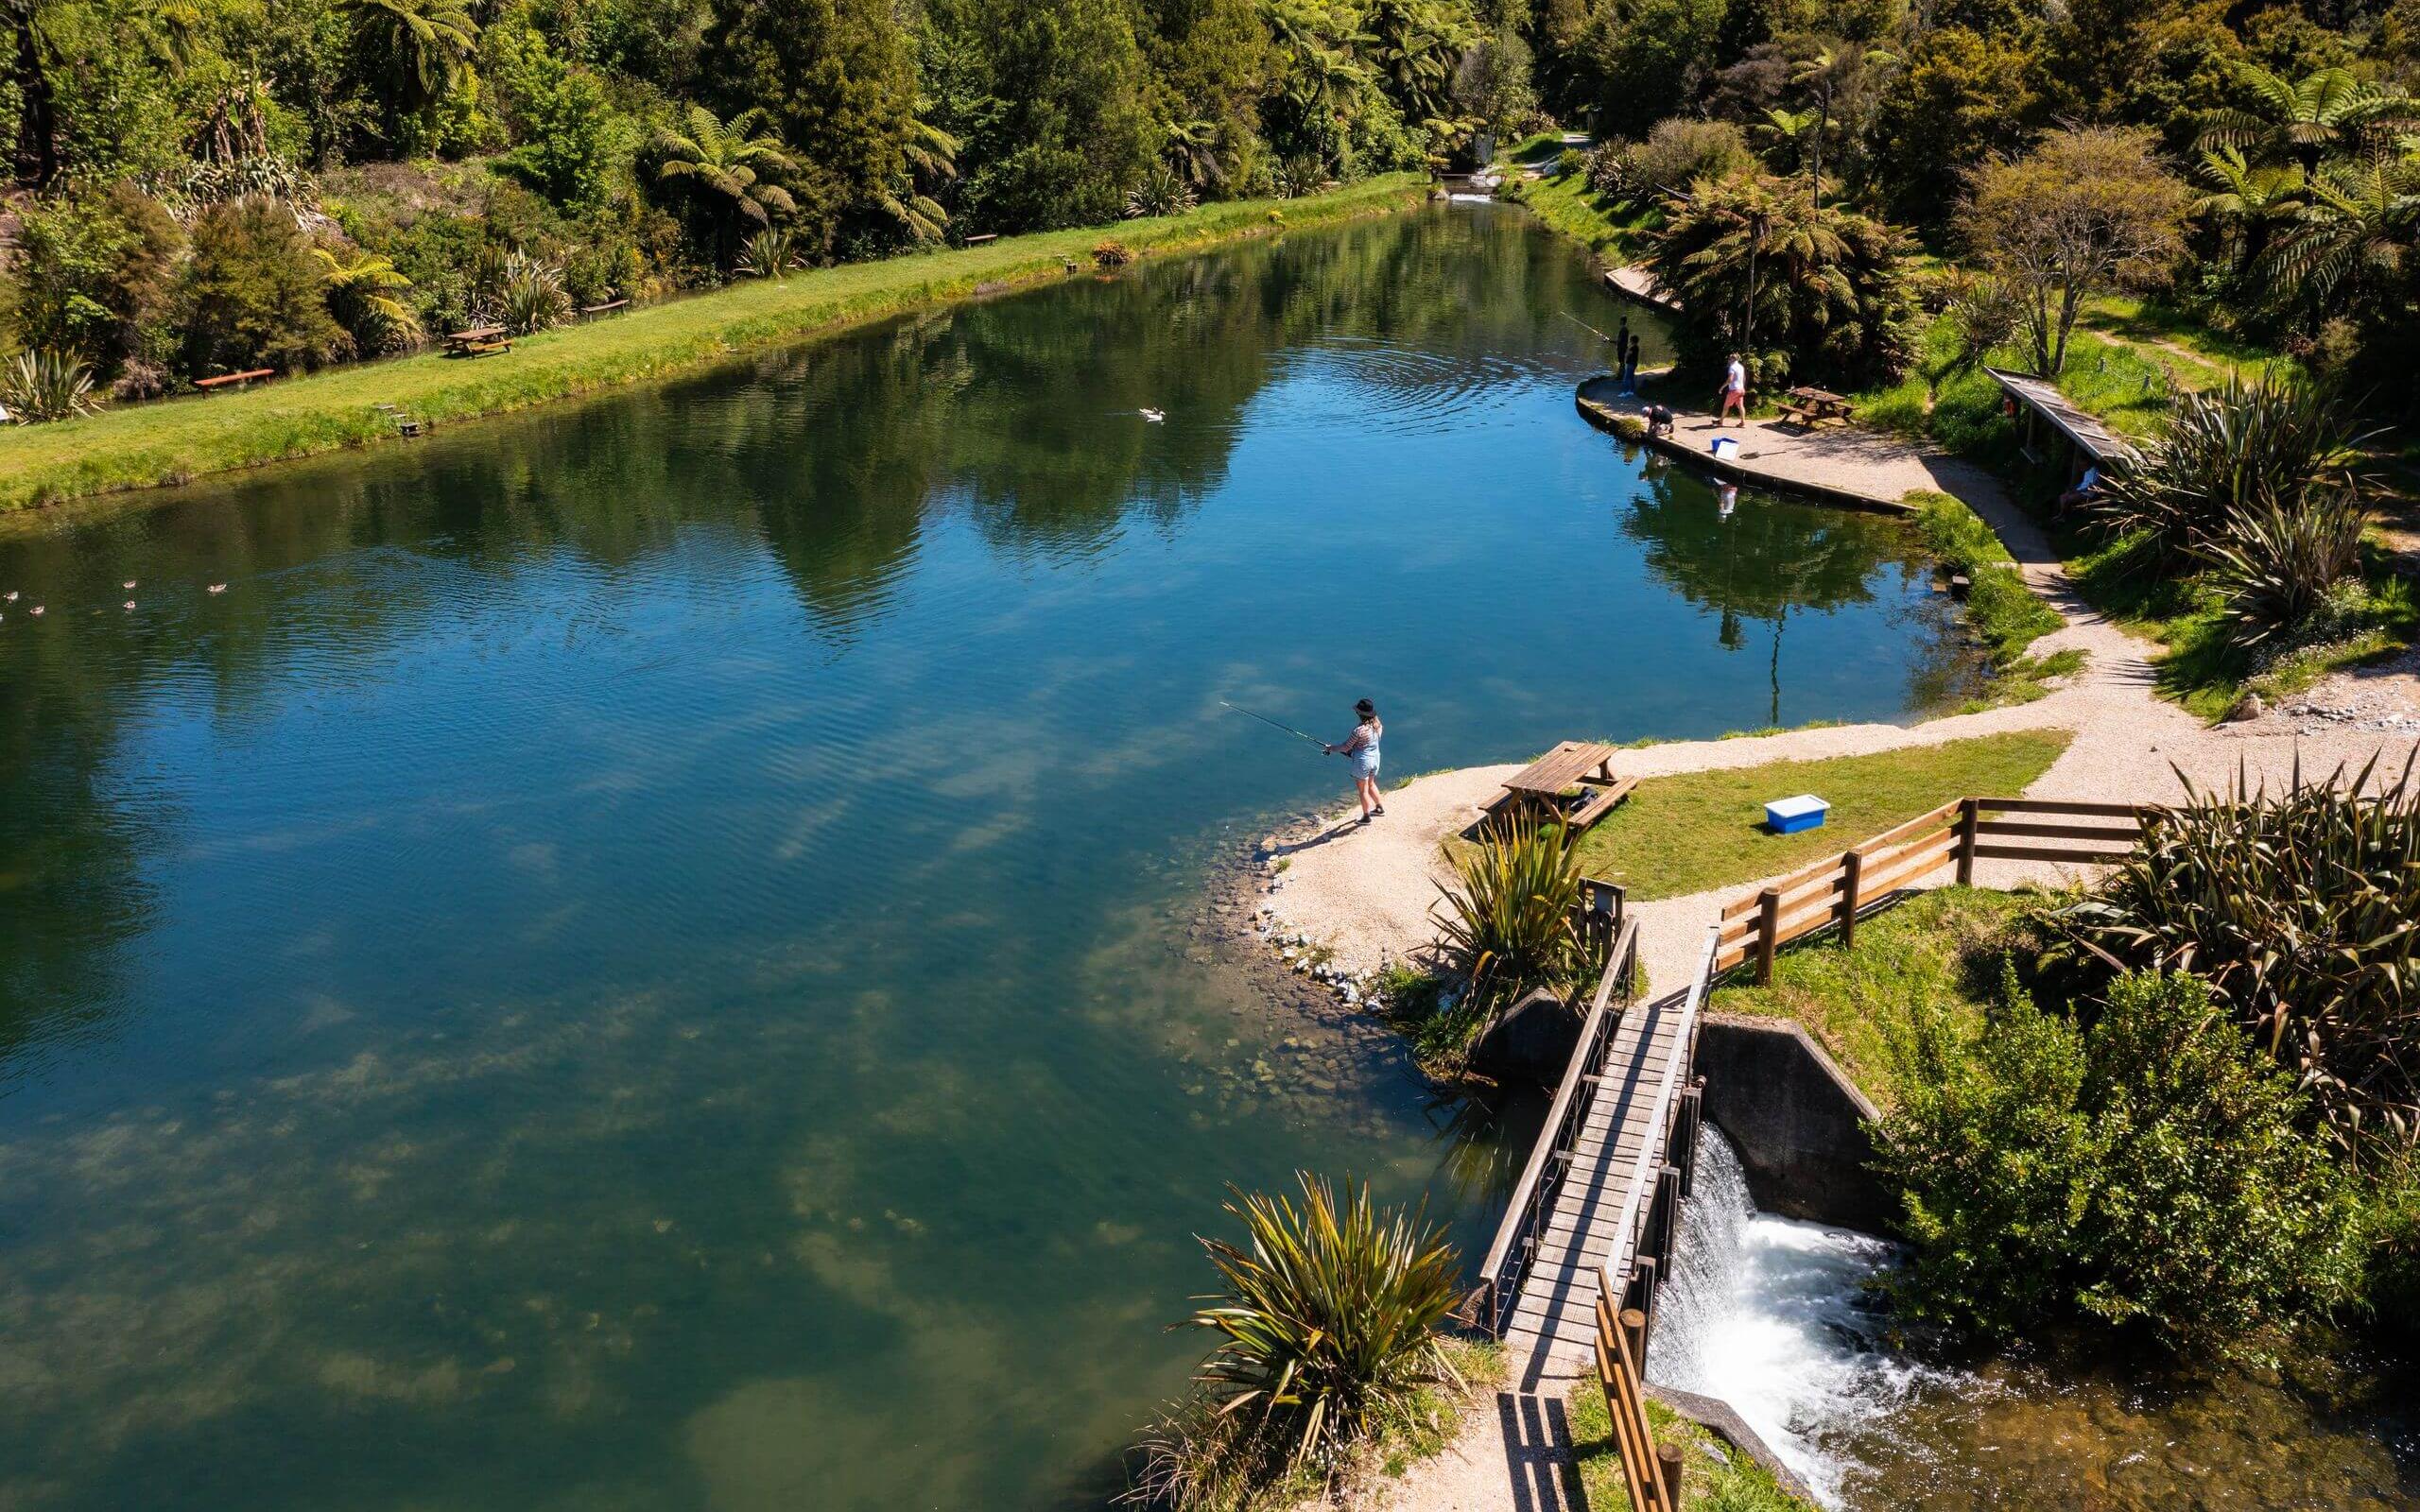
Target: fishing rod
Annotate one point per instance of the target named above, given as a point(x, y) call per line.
point(1585, 326)
point(1265, 720)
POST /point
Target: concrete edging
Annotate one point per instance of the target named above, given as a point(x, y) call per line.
point(1720, 1419)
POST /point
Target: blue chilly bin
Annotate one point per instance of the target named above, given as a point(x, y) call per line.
point(1788, 815)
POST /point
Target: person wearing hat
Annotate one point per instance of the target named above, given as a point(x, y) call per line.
point(1361, 746)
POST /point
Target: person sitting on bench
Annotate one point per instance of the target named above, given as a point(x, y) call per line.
point(2087, 489)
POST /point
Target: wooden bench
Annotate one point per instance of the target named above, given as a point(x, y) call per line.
point(606, 308)
point(1809, 406)
point(237, 379)
point(987, 236)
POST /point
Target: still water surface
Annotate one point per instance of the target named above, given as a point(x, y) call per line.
point(639, 957)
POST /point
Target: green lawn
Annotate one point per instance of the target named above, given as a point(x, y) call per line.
point(1688, 832)
point(1737, 1484)
point(1941, 946)
point(1571, 207)
point(176, 439)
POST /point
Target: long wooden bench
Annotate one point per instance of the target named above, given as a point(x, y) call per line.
point(234, 379)
point(606, 308)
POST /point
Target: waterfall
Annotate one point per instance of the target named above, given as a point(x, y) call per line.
point(1774, 1318)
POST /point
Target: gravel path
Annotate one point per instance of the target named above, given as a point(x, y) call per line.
point(1366, 891)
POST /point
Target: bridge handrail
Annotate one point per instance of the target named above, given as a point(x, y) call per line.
point(1635, 1202)
point(1499, 1274)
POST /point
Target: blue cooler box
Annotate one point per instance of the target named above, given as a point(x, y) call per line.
point(1788, 815)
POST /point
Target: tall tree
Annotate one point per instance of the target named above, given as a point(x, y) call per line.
point(425, 45)
point(2305, 122)
point(2090, 210)
point(835, 77)
point(37, 145)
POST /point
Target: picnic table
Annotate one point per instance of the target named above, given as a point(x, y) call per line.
point(1808, 407)
point(476, 343)
point(1574, 784)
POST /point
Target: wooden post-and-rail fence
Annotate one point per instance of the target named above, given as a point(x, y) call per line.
point(1830, 893)
point(1651, 1219)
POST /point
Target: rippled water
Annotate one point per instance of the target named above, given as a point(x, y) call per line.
point(1778, 1318)
point(641, 956)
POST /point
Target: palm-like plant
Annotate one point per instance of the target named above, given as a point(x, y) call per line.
point(1191, 148)
point(1790, 133)
point(1326, 1318)
point(1413, 49)
point(724, 160)
point(2353, 233)
point(361, 295)
point(1161, 192)
point(1507, 916)
point(932, 161)
point(529, 295)
point(2230, 453)
point(2276, 567)
point(432, 42)
point(770, 253)
point(2250, 200)
point(2308, 120)
point(45, 385)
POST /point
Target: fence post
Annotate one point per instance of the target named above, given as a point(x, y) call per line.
point(1668, 1474)
point(1692, 1110)
point(1767, 926)
point(1967, 814)
point(1633, 1324)
point(1668, 1201)
point(1853, 869)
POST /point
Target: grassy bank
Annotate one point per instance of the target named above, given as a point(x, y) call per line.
point(1569, 207)
point(178, 439)
point(2003, 611)
point(1695, 831)
point(1939, 948)
point(1718, 1478)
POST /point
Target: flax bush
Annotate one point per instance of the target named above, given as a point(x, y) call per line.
point(1327, 1322)
point(2302, 908)
point(1506, 920)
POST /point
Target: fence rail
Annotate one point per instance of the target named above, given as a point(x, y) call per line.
point(1516, 1235)
point(1830, 893)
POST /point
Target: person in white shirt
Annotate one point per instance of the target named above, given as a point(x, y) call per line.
point(1734, 391)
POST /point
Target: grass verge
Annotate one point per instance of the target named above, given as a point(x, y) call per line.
point(1718, 1478)
point(1569, 207)
point(1938, 948)
point(178, 439)
point(1695, 831)
point(2002, 610)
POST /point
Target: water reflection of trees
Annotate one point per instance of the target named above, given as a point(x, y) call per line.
point(1763, 559)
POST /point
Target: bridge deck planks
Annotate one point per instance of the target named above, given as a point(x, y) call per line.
point(1556, 1314)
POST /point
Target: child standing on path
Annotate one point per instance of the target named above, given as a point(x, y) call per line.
point(1361, 746)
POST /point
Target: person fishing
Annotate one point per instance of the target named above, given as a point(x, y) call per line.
point(1361, 747)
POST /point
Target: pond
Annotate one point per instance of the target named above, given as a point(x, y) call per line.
point(645, 957)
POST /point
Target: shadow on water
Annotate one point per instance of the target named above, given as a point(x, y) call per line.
point(638, 956)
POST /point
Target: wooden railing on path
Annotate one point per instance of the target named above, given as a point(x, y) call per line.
point(1830, 893)
point(1627, 1283)
point(1507, 1258)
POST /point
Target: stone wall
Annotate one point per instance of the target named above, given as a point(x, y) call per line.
point(1798, 1122)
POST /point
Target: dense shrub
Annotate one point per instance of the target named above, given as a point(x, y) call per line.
point(1678, 153)
point(2277, 568)
point(2301, 909)
point(95, 277)
point(2148, 1171)
point(1328, 1325)
point(252, 295)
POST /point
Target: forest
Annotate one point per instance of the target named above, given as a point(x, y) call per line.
point(211, 186)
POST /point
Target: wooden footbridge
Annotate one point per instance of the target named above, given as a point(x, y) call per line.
point(1598, 1204)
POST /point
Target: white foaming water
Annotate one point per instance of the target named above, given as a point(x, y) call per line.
point(1772, 1316)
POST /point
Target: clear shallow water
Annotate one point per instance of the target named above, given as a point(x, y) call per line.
point(1777, 1318)
point(641, 957)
